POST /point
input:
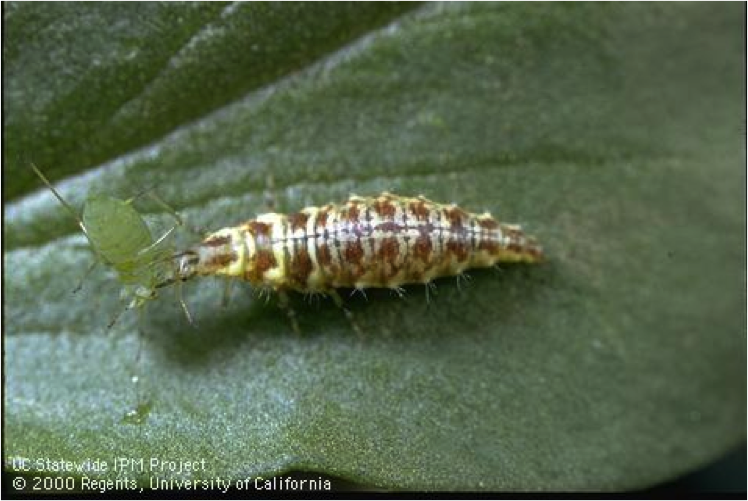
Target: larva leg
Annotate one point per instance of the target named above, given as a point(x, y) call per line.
point(430, 288)
point(180, 298)
point(348, 313)
point(462, 278)
point(285, 304)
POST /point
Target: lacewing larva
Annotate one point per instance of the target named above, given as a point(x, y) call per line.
point(382, 241)
point(121, 240)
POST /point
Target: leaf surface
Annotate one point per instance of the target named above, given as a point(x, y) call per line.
point(611, 132)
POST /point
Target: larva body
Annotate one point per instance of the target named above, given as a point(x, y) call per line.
point(382, 241)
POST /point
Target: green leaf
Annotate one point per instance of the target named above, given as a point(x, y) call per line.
point(613, 132)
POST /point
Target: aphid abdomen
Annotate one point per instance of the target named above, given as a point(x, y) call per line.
point(116, 230)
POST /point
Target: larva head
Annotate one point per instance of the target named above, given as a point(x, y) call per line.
point(216, 255)
point(242, 252)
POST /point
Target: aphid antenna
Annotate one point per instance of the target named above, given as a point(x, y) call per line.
point(64, 202)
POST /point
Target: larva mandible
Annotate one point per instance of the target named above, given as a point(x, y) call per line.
point(381, 241)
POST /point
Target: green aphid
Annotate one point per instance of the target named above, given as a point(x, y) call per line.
point(120, 239)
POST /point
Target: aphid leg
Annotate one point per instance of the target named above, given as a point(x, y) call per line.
point(139, 413)
point(173, 213)
point(85, 275)
point(348, 313)
point(118, 314)
point(180, 298)
point(285, 304)
point(161, 239)
point(168, 208)
point(139, 352)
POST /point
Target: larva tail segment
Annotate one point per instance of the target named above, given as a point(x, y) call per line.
point(518, 247)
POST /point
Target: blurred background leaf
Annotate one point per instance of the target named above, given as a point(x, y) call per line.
point(614, 132)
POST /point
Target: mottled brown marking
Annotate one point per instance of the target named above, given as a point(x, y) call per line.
point(455, 216)
point(259, 229)
point(385, 208)
point(322, 218)
point(354, 252)
point(514, 247)
point(353, 213)
point(535, 252)
point(422, 248)
point(489, 245)
point(324, 256)
point(419, 210)
point(488, 223)
point(459, 248)
point(264, 260)
point(301, 266)
point(389, 249)
point(216, 241)
point(221, 260)
point(388, 226)
point(512, 233)
point(298, 221)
